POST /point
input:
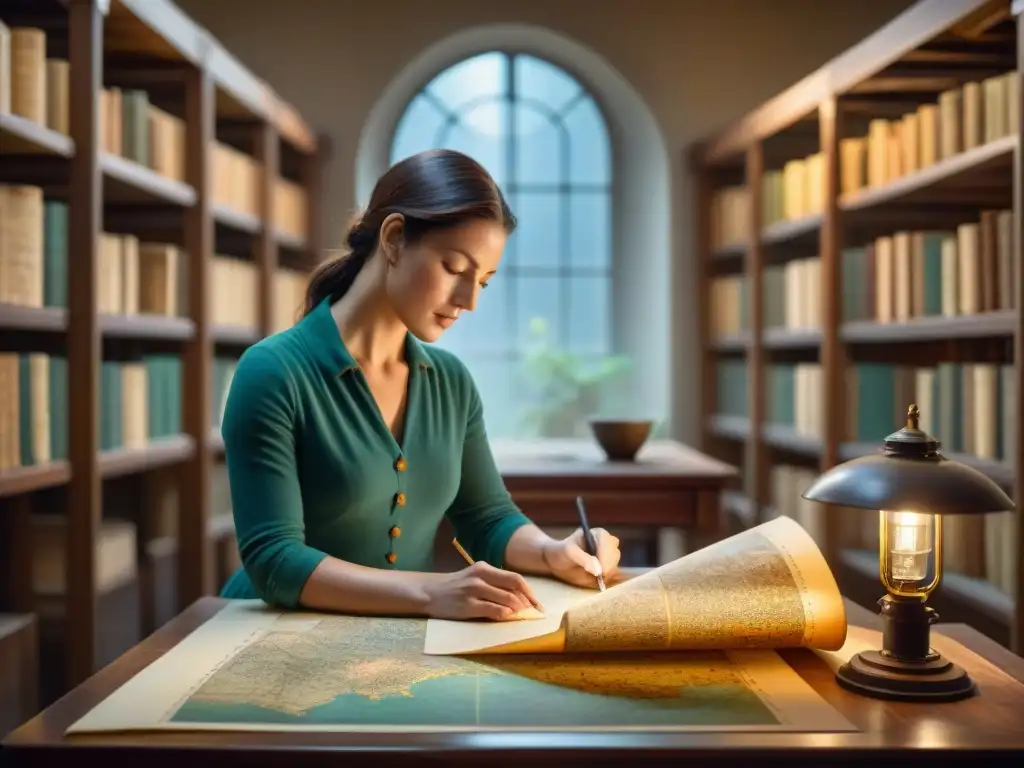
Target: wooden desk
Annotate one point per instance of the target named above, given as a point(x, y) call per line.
point(669, 484)
point(961, 732)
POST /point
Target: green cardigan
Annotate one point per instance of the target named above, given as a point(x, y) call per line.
point(315, 471)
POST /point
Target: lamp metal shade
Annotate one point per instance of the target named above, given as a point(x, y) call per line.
point(910, 475)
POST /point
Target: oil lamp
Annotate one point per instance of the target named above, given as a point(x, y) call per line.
point(912, 485)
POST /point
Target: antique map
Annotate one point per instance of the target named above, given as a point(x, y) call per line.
point(766, 587)
point(251, 667)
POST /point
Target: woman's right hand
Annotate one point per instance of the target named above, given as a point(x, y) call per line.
point(479, 591)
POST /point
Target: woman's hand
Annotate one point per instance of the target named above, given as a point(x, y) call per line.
point(480, 591)
point(569, 561)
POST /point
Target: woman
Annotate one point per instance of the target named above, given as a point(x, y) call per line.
point(348, 439)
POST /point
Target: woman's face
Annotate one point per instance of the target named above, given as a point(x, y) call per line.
point(431, 282)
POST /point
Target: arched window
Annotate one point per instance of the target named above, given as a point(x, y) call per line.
point(544, 140)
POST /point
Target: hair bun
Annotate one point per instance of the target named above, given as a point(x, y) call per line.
point(360, 238)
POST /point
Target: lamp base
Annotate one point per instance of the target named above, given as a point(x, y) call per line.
point(935, 679)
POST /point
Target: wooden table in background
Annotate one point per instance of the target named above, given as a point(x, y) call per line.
point(669, 485)
point(941, 734)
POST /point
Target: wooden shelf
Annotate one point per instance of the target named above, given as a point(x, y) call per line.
point(933, 47)
point(235, 335)
point(54, 320)
point(153, 46)
point(159, 453)
point(20, 136)
point(985, 166)
point(290, 242)
point(730, 252)
point(982, 326)
point(241, 222)
point(125, 461)
point(154, 327)
point(160, 27)
point(14, 482)
point(46, 319)
point(130, 182)
point(737, 343)
point(869, 58)
point(792, 338)
point(788, 439)
point(804, 229)
point(732, 427)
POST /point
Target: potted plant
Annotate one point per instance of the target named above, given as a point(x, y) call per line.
point(567, 389)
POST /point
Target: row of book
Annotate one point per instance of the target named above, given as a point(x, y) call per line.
point(236, 294)
point(963, 118)
point(979, 547)
point(31, 85)
point(140, 401)
point(728, 306)
point(131, 126)
point(895, 278)
point(791, 298)
point(967, 271)
point(969, 407)
point(134, 277)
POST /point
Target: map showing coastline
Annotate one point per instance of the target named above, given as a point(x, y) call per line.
point(347, 670)
point(688, 646)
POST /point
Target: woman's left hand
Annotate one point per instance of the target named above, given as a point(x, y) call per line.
point(569, 561)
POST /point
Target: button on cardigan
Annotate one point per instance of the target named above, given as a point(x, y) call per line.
point(315, 471)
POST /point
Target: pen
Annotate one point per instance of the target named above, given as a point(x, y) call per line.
point(588, 538)
point(466, 556)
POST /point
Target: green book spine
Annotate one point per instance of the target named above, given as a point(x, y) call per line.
point(155, 397)
point(59, 408)
point(949, 381)
point(175, 365)
point(55, 254)
point(876, 399)
point(106, 428)
point(932, 273)
point(135, 118)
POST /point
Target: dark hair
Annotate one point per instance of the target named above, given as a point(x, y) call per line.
point(431, 190)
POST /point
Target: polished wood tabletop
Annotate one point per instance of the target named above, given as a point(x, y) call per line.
point(669, 484)
point(988, 725)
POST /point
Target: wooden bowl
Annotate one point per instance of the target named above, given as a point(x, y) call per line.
point(620, 440)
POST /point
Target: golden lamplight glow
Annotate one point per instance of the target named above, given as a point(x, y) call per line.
point(910, 543)
point(911, 486)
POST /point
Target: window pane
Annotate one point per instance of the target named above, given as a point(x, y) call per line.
point(590, 224)
point(536, 79)
point(539, 147)
point(480, 134)
point(494, 380)
point(417, 130)
point(472, 79)
point(537, 299)
point(588, 139)
point(485, 330)
point(538, 238)
point(589, 310)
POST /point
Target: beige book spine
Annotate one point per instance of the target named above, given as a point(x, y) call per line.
point(28, 73)
point(57, 96)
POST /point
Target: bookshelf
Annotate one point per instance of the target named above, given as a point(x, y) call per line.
point(859, 250)
point(159, 209)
